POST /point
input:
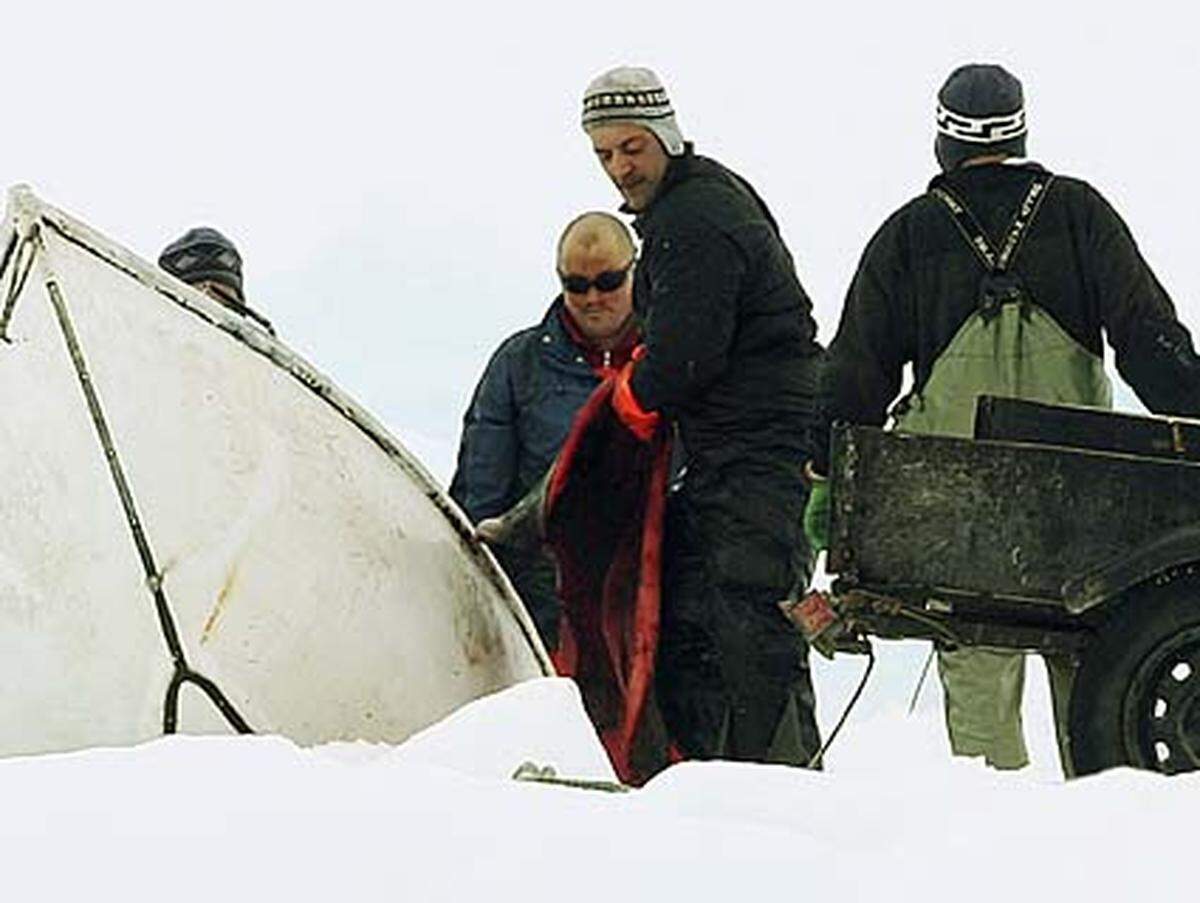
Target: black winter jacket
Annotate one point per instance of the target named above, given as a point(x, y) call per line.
point(519, 416)
point(918, 282)
point(728, 329)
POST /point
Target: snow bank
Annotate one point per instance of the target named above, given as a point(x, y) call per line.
point(436, 819)
point(539, 721)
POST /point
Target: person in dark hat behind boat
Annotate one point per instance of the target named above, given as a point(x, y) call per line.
point(1002, 279)
point(731, 363)
point(207, 260)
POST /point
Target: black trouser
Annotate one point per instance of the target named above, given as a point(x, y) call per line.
point(732, 674)
point(533, 577)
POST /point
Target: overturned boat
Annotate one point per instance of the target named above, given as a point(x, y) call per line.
point(199, 532)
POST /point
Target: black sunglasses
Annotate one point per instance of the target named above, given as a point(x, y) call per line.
point(609, 280)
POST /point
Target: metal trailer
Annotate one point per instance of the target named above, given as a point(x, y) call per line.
point(1066, 530)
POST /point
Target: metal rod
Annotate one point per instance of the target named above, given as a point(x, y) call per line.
point(183, 673)
point(17, 245)
point(912, 703)
point(818, 760)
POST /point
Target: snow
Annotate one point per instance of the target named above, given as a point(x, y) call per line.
point(918, 740)
point(439, 818)
point(540, 721)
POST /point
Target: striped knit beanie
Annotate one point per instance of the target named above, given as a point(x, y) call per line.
point(981, 111)
point(633, 95)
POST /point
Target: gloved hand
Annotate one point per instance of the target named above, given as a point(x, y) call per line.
point(816, 512)
point(521, 526)
point(638, 420)
point(491, 530)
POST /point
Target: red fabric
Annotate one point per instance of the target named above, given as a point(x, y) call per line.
point(638, 420)
point(604, 523)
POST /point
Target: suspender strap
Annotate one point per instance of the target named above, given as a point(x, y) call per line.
point(975, 236)
point(969, 227)
point(1024, 219)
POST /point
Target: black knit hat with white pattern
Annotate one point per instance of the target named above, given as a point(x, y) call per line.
point(981, 111)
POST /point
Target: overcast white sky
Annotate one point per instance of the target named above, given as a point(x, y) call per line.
point(396, 175)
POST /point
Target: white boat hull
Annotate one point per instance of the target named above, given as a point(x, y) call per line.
point(297, 572)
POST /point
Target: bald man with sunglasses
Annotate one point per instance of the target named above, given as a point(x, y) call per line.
point(535, 383)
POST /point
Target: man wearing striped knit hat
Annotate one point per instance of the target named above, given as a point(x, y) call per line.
point(731, 364)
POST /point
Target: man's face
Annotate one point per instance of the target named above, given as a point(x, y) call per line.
point(599, 314)
point(218, 291)
point(633, 159)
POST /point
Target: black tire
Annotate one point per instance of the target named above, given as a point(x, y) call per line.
point(1136, 699)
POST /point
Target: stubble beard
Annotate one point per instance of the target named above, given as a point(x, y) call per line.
point(632, 195)
point(634, 199)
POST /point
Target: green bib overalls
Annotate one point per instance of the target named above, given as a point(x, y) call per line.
point(1008, 347)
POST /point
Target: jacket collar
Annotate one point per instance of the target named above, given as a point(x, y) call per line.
point(552, 328)
point(554, 334)
point(983, 173)
point(567, 343)
point(679, 169)
point(692, 166)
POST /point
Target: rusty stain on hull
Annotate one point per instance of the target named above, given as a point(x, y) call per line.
point(214, 616)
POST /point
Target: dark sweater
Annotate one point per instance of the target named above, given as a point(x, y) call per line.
point(728, 328)
point(918, 282)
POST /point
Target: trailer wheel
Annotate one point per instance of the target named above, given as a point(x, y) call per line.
point(1136, 699)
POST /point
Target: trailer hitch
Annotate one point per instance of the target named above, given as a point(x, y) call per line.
point(835, 622)
point(819, 616)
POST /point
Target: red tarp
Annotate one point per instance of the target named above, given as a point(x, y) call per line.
point(604, 523)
